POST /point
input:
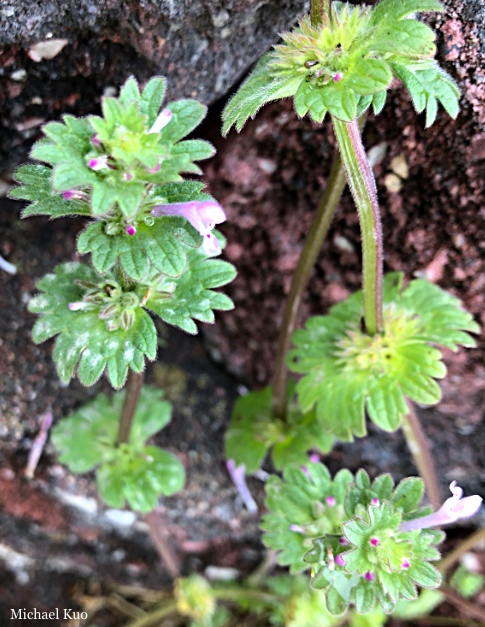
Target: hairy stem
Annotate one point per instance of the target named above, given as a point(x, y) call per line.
point(319, 11)
point(318, 231)
point(363, 188)
point(159, 538)
point(469, 608)
point(419, 449)
point(133, 387)
point(452, 557)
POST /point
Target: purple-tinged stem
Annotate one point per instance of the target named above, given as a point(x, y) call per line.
point(159, 538)
point(363, 187)
point(320, 11)
point(419, 448)
point(133, 388)
point(318, 231)
point(38, 445)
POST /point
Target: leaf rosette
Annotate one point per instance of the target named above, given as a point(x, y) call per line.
point(347, 64)
point(374, 561)
point(347, 373)
point(134, 472)
point(102, 324)
point(254, 432)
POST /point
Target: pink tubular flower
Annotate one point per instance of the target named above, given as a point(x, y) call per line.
point(203, 215)
point(339, 560)
point(74, 194)
point(162, 120)
point(99, 163)
point(452, 509)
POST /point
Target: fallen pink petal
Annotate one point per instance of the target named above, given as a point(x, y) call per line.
point(452, 510)
point(38, 445)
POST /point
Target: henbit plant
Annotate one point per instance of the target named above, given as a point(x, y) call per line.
point(374, 352)
point(152, 245)
point(341, 61)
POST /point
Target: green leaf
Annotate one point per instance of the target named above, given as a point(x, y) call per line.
point(163, 246)
point(260, 87)
point(35, 186)
point(152, 98)
point(85, 339)
point(346, 371)
point(298, 512)
point(129, 91)
point(371, 76)
point(180, 300)
point(186, 115)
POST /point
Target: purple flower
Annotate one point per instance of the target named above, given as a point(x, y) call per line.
point(154, 170)
point(374, 502)
point(74, 194)
point(330, 500)
point(238, 476)
point(405, 563)
point(297, 529)
point(452, 509)
point(339, 560)
point(38, 445)
point(203, 215)
point(130, 229)
point(95, 141)
point(99, 163)
point(374, 541)
point(337, 77)
point(162, 120)
point(369, 576)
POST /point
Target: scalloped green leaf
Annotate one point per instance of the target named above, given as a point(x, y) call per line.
point(152, 98)
point(260, 87)
point(84, 339)
point(302, 507)
point(178, 301)
point(35, 186)
point(346, 372)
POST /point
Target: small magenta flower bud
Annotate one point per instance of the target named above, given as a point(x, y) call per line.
point(343, 541)
point(375, 502)
point(331, 501)
point(154, 170)
point(405, 563)
point(337, 77)
point(74, 194)
point(130, 229)
point(95, 141)
point(127, 176)
point(297, 529)
point(369, 576)
point(99, 163)
point(339, 560)
point(374, 541)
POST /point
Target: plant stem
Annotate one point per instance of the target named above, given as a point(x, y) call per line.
point(363, 188)
point(318, 231)
point(158, 535)
point(155, 616)
point(133, 387)
point(419, 449)
point(466, 607)
point(319, 11)
point(235, 594)
point(452, 557)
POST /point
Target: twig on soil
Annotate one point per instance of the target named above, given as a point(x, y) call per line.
point(133, 388)
point(158, 536)
point(463, 547)
point(7, 266)
point(38, 445)
point(155, 616)
point(466, 607)
point(419, 449)
point(266, 566)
